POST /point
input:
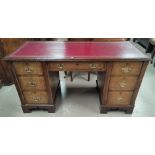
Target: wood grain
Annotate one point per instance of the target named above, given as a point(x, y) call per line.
point(28, 68)
point(122, 83)
point(126, 68)
point(32, 83)
point(76, 66)
point(39, 97)
point(119, 98)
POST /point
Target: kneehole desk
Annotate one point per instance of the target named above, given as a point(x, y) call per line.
point(120, 69)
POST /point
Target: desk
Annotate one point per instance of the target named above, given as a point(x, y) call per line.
point(36, 65)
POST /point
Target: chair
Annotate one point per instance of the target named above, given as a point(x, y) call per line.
point(78, 39)
point(144, 42)
point(152, 44)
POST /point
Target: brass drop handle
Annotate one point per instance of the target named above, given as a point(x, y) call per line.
point(36, 99)
point(28, 69)
point(93, 66)
point(60, 66)
point(32, 83)
point(123, 84)
point(126, 69)
point(120, 99)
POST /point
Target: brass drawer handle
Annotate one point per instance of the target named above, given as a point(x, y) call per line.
point(60, 66)
point(93, 66)
point(28, 69)
point(120, 99)
point(36, 99)
point(123, 84)
point(32, 83)
point(126, 69)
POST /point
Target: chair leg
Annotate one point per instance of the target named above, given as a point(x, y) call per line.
point(152, 55)
point(71, 76)
point(65, 74)
point(149, 48)
point(88, 76)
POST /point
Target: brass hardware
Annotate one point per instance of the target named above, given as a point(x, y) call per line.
point(120, 99)
point(28, 69)
point(123, 84)
point(93, 66)
point(36, 99)
point(32, 83)
point(60, 66)
point(126, 69)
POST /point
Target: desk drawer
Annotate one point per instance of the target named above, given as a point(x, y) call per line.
point(39, 97)
point(119, 98)
point(122, 83)
point(28, 68)
point(71, 66)
point(32, 83)
point(126, 68)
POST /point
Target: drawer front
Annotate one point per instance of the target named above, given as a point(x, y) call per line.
point(122, 83)
point(28, 68)
point(32, 83)
point(71, 66)
point(119, 98)
point(126, 68)
point(40, 97)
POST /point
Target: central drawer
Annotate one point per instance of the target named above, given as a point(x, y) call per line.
point(81, 66)
point(39, 97)
point(32, 83)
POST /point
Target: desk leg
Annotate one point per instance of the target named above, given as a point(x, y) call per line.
point(26, 110)
point(29, 108)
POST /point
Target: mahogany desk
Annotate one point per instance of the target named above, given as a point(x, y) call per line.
point(36, 67)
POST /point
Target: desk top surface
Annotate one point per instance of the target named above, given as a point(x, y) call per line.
point(55, 51)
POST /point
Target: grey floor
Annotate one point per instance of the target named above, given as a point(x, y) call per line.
point(79, 98)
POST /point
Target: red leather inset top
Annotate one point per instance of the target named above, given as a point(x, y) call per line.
point(46, 50)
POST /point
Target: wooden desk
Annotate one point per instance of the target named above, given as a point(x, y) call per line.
point(120, 68)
